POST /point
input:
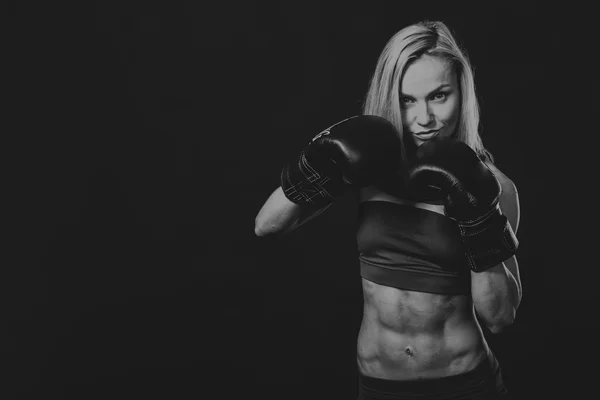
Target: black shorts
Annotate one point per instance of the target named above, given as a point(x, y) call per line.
point(482, 382)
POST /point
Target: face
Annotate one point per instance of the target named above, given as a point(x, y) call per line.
point(429, 99)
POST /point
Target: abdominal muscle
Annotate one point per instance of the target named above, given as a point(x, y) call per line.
point(408, 335)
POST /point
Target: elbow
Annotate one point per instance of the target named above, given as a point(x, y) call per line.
point(260, 229)
point(500, 325)
point(263, 228)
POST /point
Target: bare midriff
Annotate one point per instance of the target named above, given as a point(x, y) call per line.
point(407, 335)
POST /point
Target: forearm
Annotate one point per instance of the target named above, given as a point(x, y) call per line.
point(280, 215)
point(496, 296)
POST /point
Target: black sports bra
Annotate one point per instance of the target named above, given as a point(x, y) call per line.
point(411, 248)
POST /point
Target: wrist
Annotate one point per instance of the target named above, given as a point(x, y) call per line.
point(311, 180)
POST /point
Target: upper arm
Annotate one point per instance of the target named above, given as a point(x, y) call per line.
point(509, 205)
point(509, 199)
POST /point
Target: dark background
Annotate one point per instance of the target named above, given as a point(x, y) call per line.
point(145, 136)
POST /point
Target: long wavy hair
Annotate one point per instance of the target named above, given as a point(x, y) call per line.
point(432, 38)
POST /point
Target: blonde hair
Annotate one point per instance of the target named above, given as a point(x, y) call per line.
point(432, 38)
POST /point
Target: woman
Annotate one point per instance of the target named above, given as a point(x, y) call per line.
point(426, 188)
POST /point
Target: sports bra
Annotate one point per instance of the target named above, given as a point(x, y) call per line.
point(411, 248)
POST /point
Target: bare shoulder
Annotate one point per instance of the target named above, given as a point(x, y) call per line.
point(509, 200)
point(509, 189)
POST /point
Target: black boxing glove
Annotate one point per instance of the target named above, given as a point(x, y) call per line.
point(354, 153)
point(450, 170)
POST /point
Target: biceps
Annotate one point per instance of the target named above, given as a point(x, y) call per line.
point(509, 204)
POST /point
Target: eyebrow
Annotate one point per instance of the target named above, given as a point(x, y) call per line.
point(437, 89)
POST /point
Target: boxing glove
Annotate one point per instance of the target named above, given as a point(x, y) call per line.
point(449, 170)
point(353, 153)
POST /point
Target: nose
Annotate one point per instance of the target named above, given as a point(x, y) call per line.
point(424, 115)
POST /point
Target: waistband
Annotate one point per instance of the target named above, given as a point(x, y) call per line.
point(482, 382)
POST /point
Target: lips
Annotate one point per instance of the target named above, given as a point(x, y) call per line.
point(427, 135)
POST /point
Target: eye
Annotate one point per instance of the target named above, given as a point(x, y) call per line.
point(406, 101)
point(439, 96)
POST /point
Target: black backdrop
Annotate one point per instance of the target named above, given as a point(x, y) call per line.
point(147, 135)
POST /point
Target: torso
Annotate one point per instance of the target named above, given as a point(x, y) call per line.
point(407, 335)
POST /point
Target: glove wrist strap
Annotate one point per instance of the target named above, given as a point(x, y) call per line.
point(489, 240)
point(311, 182)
